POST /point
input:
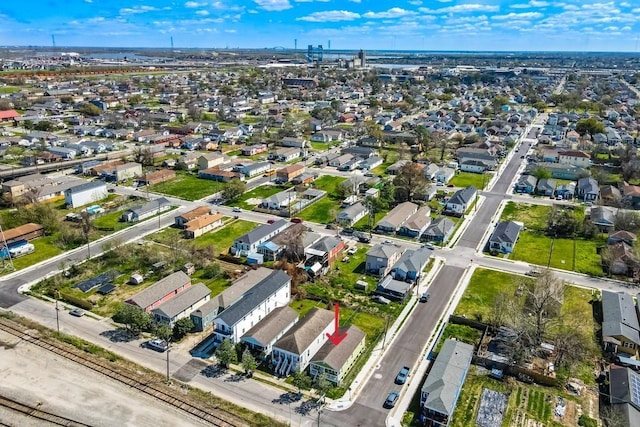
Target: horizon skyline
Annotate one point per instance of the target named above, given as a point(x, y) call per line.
point(406, 25)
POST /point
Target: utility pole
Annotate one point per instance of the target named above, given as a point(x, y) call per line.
point(386, 326)
point(168, 351)
point(57, 309)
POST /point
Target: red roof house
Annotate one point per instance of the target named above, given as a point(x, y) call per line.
point(8, 115)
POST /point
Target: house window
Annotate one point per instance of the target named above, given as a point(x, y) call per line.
point(628, 344)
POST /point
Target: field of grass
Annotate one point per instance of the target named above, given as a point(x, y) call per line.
point(533, 216)
point(465, 179)
point(321, 146)
point(261, 192)
point(188, 187)
point(478, 298)
point(328, 183)
point(322, 211)
point(111, 221)
point(45, 248)
point(222, 239)
point(579, 255)
point(9, 89)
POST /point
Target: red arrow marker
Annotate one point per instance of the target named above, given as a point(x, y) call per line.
point(336, 338)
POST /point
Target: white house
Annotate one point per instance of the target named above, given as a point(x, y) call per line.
point(354, 213)
point(336, 360)
point(249, 242)
point(270, 293)
point(83, 194)
point(461, 201)
point(297, 348)
point(574, 157)
point(181, 305)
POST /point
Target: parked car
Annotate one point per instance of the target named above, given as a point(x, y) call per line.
point(271, 221)
point(380, 299)
point(237, 209)
point(392, 398)
point(425, 297)
point(401, 378)
point(77, 312)
point(345, 259)
point(158, 345)
point(352, 250)
point(297, 220)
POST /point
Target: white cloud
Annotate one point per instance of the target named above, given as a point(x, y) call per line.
point(355, 1)
point(140, 9)
point(230, 31)
point(415, 2)
point(532, 3)
point(394, 12)
point(194, 4)
point(625, 4)
point(330, 16)
point(462, 8)
point(273, 5)
point(202, 12)
point(524, 15)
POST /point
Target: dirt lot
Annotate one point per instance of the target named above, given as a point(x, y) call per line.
point(36, 377)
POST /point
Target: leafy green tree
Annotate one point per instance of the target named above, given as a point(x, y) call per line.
point(45, 126)
point(162, 331)
point(89, 109)
point(590, 126)
point(182, 327)
point(226, 353)
point(410, 182)
point(374, 130)
point(234, 189)
point(248, 361)
point(133, 318)
point(301, 380)
point(135, 99)
point(541, 173)
point(322, 384)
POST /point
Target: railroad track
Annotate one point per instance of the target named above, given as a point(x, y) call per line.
point(213, 416)
point(33, 412)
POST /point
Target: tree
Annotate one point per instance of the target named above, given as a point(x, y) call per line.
point(45, 126)
point(143, 156)
point(541, 173)
point(234, 189)
point(627, 221)
point(543, 299)
point(410, 182)
point(248, 361)
point(133, 318)
point(89, 109)
point(195, 112)
point(87, 226)
point(373, 130)
point(323, 384)
point(135, 99)
point(301, 380)
point(162, 331)
point(590, 126)
point(562, 222)
point(182, 327)
point(226, 353)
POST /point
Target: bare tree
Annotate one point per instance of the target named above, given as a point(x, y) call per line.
point(410, 182)
point(543, 299)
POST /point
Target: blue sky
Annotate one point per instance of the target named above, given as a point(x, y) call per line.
point(570, 25)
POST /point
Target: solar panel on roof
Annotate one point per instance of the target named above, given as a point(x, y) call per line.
point(99, 280)
point(106, 289)
point(635, 389)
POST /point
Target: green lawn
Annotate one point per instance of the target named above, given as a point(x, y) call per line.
point(328, 183)
point(465, 179)
point(188, 187)
point(257, 193)
point(45, 248)
point(478, 298)
point(321, 146)
point(111, 220)
point(363, 224)
point(9, 89)
point(533, 216)
point(535, 248)
point(222, 239)
point(322, 211)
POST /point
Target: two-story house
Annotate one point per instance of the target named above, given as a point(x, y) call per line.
point(620, 327)
point(248, 243)
point(458, 204)
point(163, 290)
point(381, 258)
point(270, 293)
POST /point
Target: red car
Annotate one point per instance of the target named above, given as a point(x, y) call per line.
point(271, 221)
point(296, 220)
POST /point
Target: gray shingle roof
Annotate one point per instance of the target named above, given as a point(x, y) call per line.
point(413, 260)
point(87, 186)
point(335, 356)
point(463, 196)
point(153, 205)
point(250, 300)
point(161, 288)
point(300, 337)
point(505, 232)
point(418, 220)
point(619, 316)
point(260, 232)
point(439, 227)
point(398, 215)
point(383, 251)
point(273, 324)
point(447, 376)
point(183, 300)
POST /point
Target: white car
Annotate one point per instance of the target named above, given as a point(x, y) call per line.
point(352, 250)
point(236, 209)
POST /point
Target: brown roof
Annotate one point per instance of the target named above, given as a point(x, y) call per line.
point(14, 233)
point(159, 174)
point(272, 325)
point(291, 168)
point(203, 221)
point(574, 153)
point(196, 213)
point(623, 252)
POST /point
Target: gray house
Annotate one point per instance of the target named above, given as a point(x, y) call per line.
point(354, 213)
point(587, 189)
point(411, 264)
point(458, 204)
point(620, 326)
point(546, 187)
point(439, 230)
point(442, 387)
point(147, 210)
point(381, 258)
point(504, 237)
point(417, 223)
point(248, 243)
point(262, 336)
point(603, 217)
point(526, 184)
point(624, 397)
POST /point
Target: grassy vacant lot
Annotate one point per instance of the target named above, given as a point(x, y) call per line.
point(45, 248)
point(465, 179)
point(9, 89)
point(321, 146)
point(533, 216)
point(261, 192)
point(187, 186)
point(325, 209)
point(111, 220)
point(220, 240)
point(484, 285)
